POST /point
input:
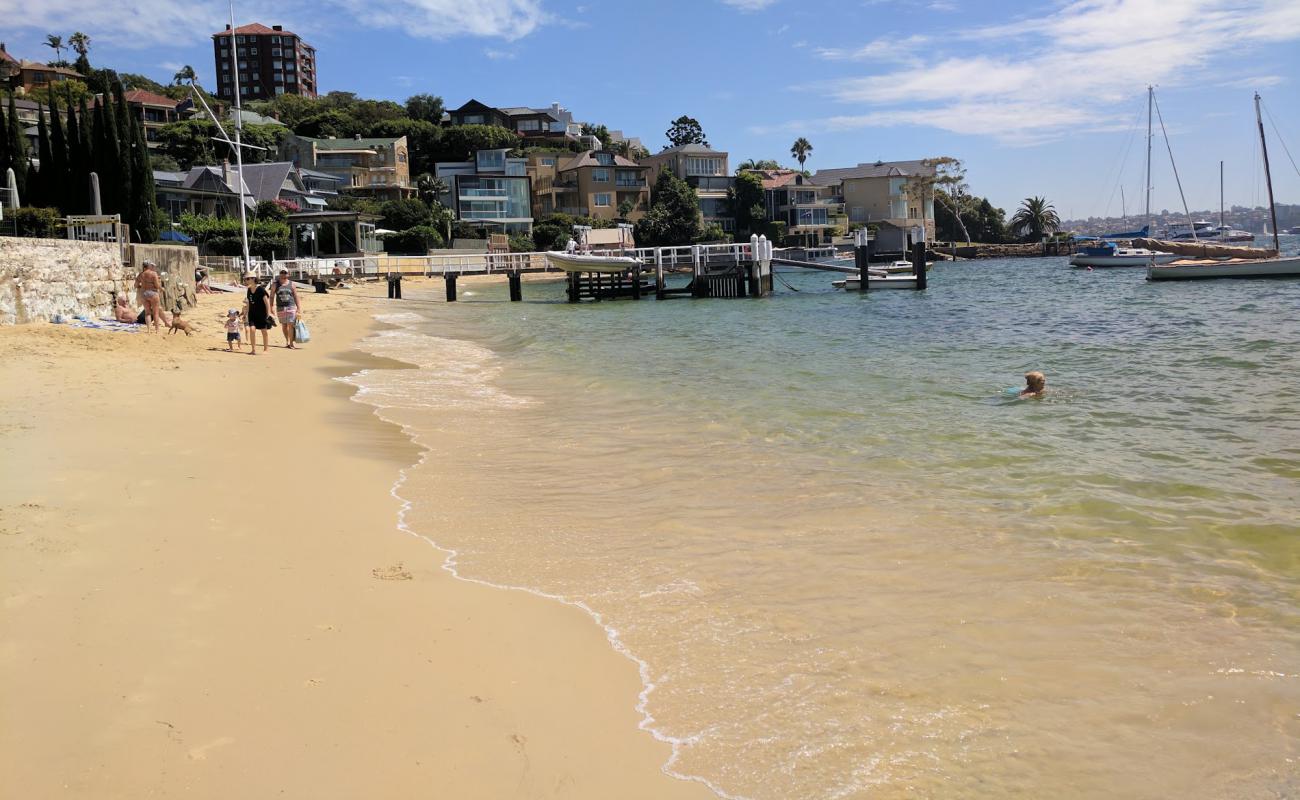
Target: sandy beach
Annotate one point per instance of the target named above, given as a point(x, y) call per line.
point(205, 593)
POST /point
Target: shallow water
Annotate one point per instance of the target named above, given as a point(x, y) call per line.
point(852, 565)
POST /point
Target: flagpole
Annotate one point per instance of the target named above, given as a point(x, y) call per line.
point(239, 150)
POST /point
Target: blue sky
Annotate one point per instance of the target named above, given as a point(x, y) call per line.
point(1042, 99)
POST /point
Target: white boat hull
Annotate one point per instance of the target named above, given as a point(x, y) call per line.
point(1079, 260)
point(874, 283)
point(575, 262)
point(1288, 267)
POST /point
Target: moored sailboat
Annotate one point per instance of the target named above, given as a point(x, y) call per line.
point(1274, 266)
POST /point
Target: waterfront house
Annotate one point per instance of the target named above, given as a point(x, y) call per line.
point(153, 110)
point(812, 213)
point(271, 61)
point(705, 169)
point(594, 183)
point(491, 191)
point(377, 167)
point(213, 190)
point(535, 125)
point(891, 195)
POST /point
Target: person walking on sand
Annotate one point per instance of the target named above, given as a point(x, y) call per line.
point(259, 316)
point(149, 284)
point(287, 307)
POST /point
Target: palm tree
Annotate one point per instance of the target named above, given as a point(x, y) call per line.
point(800, 150)
point(55, 43)
point(80, 42)
point(430, 187)
point(1035, 218)
point(185, 73)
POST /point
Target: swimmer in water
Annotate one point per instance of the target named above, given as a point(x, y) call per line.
point(1035, 384)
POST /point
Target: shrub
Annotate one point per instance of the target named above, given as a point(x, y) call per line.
point(549, 236)
point(42, 223)
point(712, 233)
point(522, 244)
point(401, 215)
point(413, 241)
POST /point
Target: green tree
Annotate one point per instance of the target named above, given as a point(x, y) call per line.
point(459, 142)
point(55, 43)
point(57, 178)
point(121, 119)
point(674, 215)
point(626, 208)
point(751, 164)
point(599, 131)
point(1035, 219)
point(78, 167)
point(144, 219)
point(425, 107)
point(422, 138)
point(80, 42)
point(800, 150)
point(184, 75)
point(980, 220)
point(398, 215)
point(430, 187)
point(18, 159)
point(685, 130)
point(43, 190)
point(104, 157)
point(746, 196)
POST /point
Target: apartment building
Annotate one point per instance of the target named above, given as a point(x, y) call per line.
point(888, 194)
point(271, 61)
point(811, 213)
point(378, 168)
point(706, 170)
point(491, 191)
point(595, 183)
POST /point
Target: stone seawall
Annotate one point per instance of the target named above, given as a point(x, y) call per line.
point(40, 278)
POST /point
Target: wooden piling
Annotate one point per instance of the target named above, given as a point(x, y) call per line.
point(516, 287)
point(451, 286)
point(659, 274)
point(918, 264)
point(573, 287)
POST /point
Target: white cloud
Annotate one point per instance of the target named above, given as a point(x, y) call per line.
point(146, 23)
point(1033, 79)
point(499, 55)
point(750, 5)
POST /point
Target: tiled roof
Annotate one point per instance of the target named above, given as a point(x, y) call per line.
point(775, 178)
point(350, 144)
point(4, 56)
point(690, 148)
point(149, 98)
point(879, 169)
point(255, 29)
point(588, 159)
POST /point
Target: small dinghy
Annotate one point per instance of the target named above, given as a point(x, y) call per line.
point(877, 281)
point(577, 262)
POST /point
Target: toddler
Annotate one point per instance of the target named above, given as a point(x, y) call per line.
point(1035, 384)
point(234, 323)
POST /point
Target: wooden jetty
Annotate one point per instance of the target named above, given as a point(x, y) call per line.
point(714, 270)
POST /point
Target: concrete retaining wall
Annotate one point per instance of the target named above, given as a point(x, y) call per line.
point(43, 277)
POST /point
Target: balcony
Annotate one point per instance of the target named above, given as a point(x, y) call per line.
point(484, 194)
point(630, 183)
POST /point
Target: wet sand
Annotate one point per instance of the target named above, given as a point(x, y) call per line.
point(204, 593)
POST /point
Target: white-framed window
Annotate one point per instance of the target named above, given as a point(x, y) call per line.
point(600, 175)
point(252, 51)
point(225, 55)
point(225, 78)
point(277, 65)
point(279, 90)
point(703, 166)
point(239, 39)
point(243, 90)
point(602, 200)
point(277, 52)
point(275, 40)
point(288, 66)
point(547, 162)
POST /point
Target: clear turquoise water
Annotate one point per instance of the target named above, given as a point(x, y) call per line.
point(853, 565)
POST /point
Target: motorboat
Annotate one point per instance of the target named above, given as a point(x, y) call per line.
point(591, 262)
point(1193, 269)
point(1108, 254)
point(1226, 233)
point(877, 280)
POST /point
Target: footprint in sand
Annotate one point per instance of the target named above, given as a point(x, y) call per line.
point(200, 753)
point(393, 573)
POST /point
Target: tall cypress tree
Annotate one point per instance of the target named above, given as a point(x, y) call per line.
point(122, 124)
point(105, 153)
point(84, 157)
point(143, 202)
point(75, 191)
point(5, 162)
point(42, 191)
point(56, 180)
point(17, 150)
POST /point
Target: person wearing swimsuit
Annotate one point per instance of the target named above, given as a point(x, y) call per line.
point(287, 307)
point(259, 316)
point(149, 283)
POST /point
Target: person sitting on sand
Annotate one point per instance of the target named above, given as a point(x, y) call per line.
point(122, 311)
point(1035, 384)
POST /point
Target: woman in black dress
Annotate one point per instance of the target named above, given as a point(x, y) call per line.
point(259, 312)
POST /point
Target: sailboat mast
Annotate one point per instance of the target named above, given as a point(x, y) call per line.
point(239, 150)
point(1268, 176)
point(1150, 100)
point(1221, 225)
